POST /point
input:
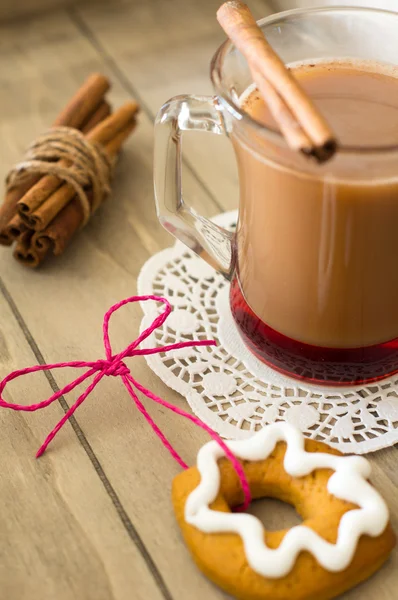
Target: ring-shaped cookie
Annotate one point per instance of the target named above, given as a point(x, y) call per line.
point(344, 538)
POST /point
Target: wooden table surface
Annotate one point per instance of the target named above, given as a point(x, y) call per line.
point(92, 519)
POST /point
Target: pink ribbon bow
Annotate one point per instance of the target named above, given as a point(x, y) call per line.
point(114, 365)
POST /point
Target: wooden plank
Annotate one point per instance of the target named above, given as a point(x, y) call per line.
point(60, 535)
point(384, 583)
point(63, 305)
point(64, 302)
point(165, 58)
point(164, 53)
point(26, 8)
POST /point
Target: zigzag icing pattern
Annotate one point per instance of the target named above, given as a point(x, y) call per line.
point(348, 482)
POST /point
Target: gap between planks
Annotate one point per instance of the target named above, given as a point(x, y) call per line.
point(84, 29)
point(90, 36)
point(109, 489)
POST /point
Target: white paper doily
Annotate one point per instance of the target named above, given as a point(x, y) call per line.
point(232, 391)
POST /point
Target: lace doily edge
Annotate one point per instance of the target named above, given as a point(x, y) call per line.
point(144, 287)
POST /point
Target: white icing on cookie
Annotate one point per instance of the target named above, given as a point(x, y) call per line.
point(347, 483)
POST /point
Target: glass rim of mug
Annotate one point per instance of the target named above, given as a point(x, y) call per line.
point(259, 128)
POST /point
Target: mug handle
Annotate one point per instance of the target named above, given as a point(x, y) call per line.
point(188, 113)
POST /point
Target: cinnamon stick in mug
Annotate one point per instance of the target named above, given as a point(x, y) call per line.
point(303, 127)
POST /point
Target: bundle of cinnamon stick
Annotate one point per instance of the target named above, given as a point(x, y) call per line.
point(41, 213)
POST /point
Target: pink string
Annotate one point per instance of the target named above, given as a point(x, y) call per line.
point(114, 365)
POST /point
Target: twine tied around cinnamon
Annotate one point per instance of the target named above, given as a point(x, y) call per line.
point(90, 165)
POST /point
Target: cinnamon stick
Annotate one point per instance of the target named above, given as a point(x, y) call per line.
point(8, 209)
point(105, 131)
point(68, 221)
point(303, 127)
point(48, 184)
point(79, 109)
point(12, 230)
point(85, 102)
point(115, 144)
point(62, 228)
point(121, 122)
point(102, 112)
point(27, 253)
point(22, 247)
point(38, 194)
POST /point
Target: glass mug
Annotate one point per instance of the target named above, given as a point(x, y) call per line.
point(314, 280)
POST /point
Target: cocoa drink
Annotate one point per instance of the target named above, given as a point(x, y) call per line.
point(316, 284)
